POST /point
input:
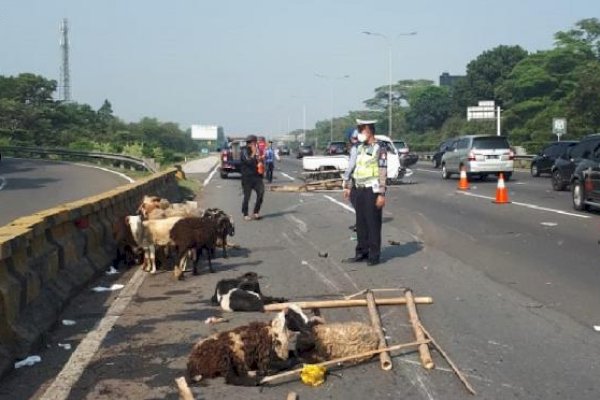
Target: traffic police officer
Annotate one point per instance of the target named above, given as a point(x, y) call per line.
point(370, 174)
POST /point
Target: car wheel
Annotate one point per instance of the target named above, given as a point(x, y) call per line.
point(223, 175)
point(507, 176)
point(435, 163)
point(483, 177)
point(578, 192)
point(557, 182)
point(534, 170)
point(445, 173)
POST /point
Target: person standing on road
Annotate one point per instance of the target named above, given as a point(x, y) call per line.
point(270, 161)
point(348, 173)
point(251, 177)
point(369, 176)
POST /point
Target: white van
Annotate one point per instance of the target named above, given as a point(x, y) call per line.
point(481, 155)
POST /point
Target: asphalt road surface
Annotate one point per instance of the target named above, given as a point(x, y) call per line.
point(515, 291)
point(27, 186)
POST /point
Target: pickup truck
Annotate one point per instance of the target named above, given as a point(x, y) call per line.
point(231, 158)
point(325, 163)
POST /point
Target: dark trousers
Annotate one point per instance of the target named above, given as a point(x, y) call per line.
point(248, 185)
point(368, 223)
point(270, 167)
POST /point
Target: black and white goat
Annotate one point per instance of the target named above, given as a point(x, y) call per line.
point(242, 294)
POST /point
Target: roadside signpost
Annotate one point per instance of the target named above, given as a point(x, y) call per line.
point(486, 109)
point(559, 127)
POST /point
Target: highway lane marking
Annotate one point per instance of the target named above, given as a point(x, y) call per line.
point(85, 351)
point(339, 203)
point(207, 180)
point(527, 205)
point(427, 170)
point(2, 182)
point(122, 175)
point(287, 176)
point(301, 224)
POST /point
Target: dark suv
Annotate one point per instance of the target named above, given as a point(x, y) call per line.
point(334, 148)
point(542, 163)
point(231, 158)
point(437, 156)
point(585, 181)
point(564, 167)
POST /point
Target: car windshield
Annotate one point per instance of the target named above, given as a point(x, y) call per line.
point(399, 144)
point(491, 142)
point(305, 148)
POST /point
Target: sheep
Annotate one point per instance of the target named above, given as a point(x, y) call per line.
point(149, 234)
point(128, 252)
point(319, 341)
point(242, 294)
point(225, 226)
point(154, 207)
point(193, 233)
point(258, 346)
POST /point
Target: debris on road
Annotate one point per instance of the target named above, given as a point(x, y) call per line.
point(313, 375)
point(597, 328)
point(112, 271)
point(548, 223)
point(323, 254)
point(184, 390)
point(68, 322)
point(65, 346)
point(28, 362)
point(394, 243)
point(215, 320)
point(325, 184)
point(115, 286)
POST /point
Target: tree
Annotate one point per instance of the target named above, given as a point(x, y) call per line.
point(585, 37)
point(429, 108)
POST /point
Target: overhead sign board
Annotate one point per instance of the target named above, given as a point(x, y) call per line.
point(486, 109)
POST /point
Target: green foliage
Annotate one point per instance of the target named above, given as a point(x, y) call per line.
point(429, 107)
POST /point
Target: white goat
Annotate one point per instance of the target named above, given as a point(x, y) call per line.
point(150, 234)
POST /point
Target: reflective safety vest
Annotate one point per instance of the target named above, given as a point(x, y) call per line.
point(366, 172)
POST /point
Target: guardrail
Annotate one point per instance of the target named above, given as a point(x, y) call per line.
point(114, 159)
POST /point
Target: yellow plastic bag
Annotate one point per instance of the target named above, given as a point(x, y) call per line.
point(313, 375)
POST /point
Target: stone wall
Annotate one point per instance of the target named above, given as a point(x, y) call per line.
point(48, 257)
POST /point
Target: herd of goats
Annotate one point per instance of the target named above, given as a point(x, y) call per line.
point(246, 354)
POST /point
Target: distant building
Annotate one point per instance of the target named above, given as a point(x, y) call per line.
point(210, 137)
point(449, 80)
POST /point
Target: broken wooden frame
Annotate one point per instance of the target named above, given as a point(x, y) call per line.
point(422, 336)
point(324, 184)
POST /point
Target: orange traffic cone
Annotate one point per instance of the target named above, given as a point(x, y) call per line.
point(501, 191)
point(463, 183)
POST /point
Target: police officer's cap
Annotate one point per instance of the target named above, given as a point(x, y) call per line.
point(360, 122)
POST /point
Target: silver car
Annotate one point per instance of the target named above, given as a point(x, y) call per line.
point(481, 155)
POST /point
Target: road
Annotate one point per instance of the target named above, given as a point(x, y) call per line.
point(27, 186)
point(515, 291)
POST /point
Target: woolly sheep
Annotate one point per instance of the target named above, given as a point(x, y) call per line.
point(149, 234)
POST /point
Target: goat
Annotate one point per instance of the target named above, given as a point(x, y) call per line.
point(259, 346)
point(149, 234)
point(225, 226)
point(193, 233)
point(242, 294)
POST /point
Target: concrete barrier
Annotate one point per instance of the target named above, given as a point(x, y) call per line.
point(48, 257)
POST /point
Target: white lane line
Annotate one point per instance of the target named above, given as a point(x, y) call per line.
point(122, 175)
point(287, 176)
point(339, 203)
point(85, 351)
point(428, 170)
point(301, 224)
point(207, 180)
point(2, 182)
point(527, 205)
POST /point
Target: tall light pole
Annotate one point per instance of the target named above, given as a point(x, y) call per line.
point(331, 78)
point(389, 43)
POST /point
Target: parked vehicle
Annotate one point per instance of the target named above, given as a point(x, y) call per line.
point(564, 167)
point(437, 156)
point(401, 147)
point(305, 150)
point(542, 163)
point(231, 158)
point(284, 150)
point(325, 163)
point(481, 155)
point(336, 148)
point(585, 181)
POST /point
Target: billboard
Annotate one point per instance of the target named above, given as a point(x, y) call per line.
point(206, 132)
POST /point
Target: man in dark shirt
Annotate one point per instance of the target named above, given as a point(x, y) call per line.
point(251, 179)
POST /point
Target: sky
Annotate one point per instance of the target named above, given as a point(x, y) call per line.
point(251, 66)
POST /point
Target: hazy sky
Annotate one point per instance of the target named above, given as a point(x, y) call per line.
point(250, 65)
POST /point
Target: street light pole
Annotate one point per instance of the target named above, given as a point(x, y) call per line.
point(331, 78)
point(389, 43)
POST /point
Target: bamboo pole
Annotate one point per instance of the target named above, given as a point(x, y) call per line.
point(384, 358)
point(424, 354)
point(184, 390)
point(292, 396)
point(458, 373)
point(374, 291)
point(293, 372)
point(389, 301)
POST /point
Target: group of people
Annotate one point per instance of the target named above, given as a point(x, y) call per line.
point(364, 184)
